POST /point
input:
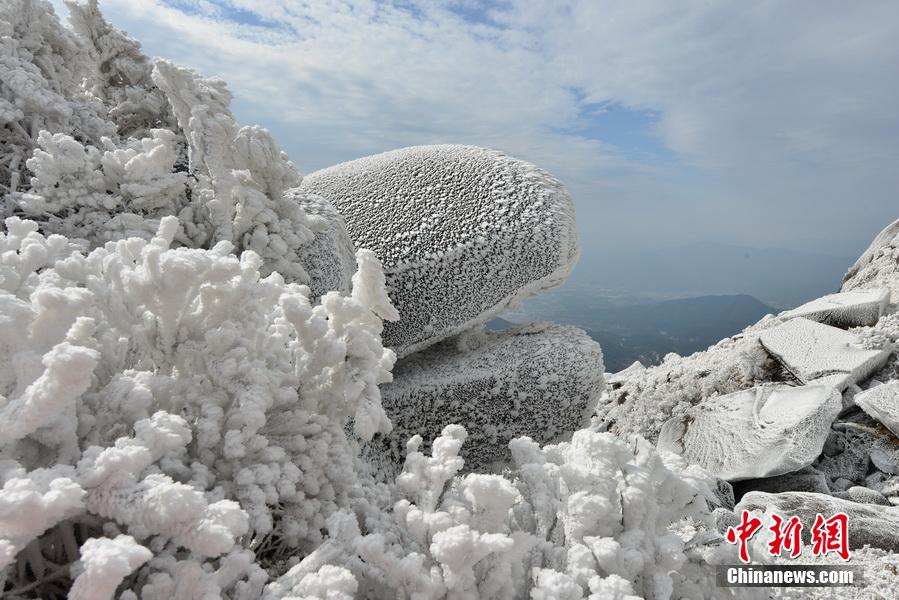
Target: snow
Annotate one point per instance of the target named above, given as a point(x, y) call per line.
point(540, 381)
point(846, 309)
point(106, 562)
point(882, 403)
point(641, 400)
point(595, 517)
point(762, 432)
point(463, 233)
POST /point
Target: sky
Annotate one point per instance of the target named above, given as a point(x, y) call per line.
point(763, 123)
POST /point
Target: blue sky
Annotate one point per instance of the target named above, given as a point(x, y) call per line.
point(761, 123)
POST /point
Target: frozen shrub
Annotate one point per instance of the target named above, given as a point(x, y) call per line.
point(596, 517)
point(179, 395)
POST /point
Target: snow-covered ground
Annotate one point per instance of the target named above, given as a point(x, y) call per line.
point(201, 395)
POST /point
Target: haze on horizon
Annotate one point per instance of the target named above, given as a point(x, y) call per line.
point(763, 124)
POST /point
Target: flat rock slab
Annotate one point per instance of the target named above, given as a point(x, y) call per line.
point(868, 523)
point(541, 381)
point(760, 432)
point(820, 354)
point(462, 233)
point(882, 403)
point(855, 308)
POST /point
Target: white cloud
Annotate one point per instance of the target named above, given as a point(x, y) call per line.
point(781, 114)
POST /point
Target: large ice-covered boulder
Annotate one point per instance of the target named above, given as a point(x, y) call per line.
point(855, 308)
point(820, 354)
point(761, 432)
point(462, 233)
point(540, 380)
point(329, 258)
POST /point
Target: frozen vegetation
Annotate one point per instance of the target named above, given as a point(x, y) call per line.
point(200, 395)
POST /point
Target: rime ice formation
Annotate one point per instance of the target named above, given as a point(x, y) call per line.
point(762, 432)
point(581, 519)
point(878, 266)
point(846, 309)
point(882, 403)
point(462, 232)
point(539, 380)
point(329, 258)
point(187, 409)
point(237, 390)
point(868, 524)
point(820, 354)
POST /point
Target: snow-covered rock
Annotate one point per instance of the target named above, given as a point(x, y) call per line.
point(820, 354)
point(462, 232)
point(538, 380)
point(846, 309)
point(878, 266)
point(882, 403)
point(761, 432)
point(868, 523)
point(328, 258)
point(641, 400)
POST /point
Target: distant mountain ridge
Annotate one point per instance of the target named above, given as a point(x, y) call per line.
point(647, 330)
point(779, 277)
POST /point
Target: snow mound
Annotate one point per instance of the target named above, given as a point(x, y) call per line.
point(462, 232)
point(820, 354)
point(542, 381)
point(846, 309)
point(882, 403)
point(762, 432)
point(868, 523)
point(329, 258)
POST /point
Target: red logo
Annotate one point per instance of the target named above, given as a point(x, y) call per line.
point(828, 535)
point(831, 535)
point(747, 528)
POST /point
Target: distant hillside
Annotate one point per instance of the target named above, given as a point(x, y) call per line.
point(647, 330)
point(780, 277)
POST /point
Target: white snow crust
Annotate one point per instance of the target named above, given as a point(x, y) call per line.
point(820, 354)
point(846, 309)
point(761, 432)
